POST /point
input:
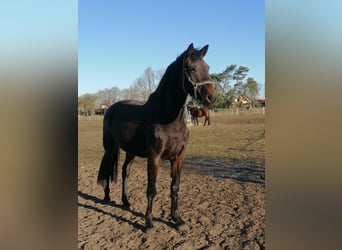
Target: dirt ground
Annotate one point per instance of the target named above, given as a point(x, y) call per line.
point(220, 213)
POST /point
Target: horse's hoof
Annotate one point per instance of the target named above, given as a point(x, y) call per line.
point(125, 203)
point(106, 199)
point(178, 221)
point(126, 206)
point(182, 227)
point(149, 224)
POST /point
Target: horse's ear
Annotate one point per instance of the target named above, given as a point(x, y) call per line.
point(204, 50)
point(190, 50)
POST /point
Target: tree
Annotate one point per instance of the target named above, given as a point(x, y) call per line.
point(130, 93)
point(226, 76)
point(252, 88)
point(228, 94)
point(240, 74)
point(246, 91)
point(239, 86)
point(239, 89)
point(158, 75)
point(148, 78)
point(86, 103)
point(108, 96)
point(146, 83)
point(223, 79)
point(140, 87)
point(222, 85)
point(143, 86)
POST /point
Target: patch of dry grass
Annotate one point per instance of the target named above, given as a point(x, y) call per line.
point(229, 140)
point(235, 137)
point(90, 140)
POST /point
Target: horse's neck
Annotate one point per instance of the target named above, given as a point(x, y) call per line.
point(167, 103)
point(167, 109)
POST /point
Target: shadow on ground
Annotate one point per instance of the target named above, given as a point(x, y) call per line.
point(240, 171)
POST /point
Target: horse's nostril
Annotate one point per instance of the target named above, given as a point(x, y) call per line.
point(210, 98)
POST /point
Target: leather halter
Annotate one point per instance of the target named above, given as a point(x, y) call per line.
point(194, 84)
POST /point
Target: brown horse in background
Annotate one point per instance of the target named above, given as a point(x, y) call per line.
point(200, 112)
point(156, 130)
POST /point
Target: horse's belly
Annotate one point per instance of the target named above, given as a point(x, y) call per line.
point(130, 138)
point(133, 149)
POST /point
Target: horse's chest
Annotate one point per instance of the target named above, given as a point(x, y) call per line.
point(170, 142)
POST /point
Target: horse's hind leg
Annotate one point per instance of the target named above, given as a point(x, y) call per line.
point(103, 176)
point(125, 173)
point(207, 120)
point(105, 172)
point(108, 167)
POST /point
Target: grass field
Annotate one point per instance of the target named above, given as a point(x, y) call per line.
point(231, 145)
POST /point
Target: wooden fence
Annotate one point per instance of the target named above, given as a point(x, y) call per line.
point(231, 111)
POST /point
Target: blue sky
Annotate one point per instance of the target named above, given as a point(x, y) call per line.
point(118, 40)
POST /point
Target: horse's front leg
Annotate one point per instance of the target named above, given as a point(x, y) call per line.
point(153, 164)
point(107, 191)
point(176, 168)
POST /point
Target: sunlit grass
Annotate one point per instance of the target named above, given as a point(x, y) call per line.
point(90, 140)
point(229, 138)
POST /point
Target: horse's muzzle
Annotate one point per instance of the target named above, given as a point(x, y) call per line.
point(208, 97)
point(207, 93)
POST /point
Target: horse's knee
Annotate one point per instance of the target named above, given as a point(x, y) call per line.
point(175, 188)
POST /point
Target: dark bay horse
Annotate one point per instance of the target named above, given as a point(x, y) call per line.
point(156, 130)
point(200, 112)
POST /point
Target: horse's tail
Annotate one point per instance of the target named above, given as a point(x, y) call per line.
point(109, 164)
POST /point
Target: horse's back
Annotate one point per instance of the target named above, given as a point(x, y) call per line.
point(125, 110)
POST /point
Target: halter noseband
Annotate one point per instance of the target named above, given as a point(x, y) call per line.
point(194, 84)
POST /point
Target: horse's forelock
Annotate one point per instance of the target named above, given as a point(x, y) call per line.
point(196, 55)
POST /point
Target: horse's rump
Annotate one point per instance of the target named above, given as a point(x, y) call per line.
point(125, 124)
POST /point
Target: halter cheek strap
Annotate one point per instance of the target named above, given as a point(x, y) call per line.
point(196, 85)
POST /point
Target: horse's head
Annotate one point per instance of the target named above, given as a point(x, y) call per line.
point(196, 75)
